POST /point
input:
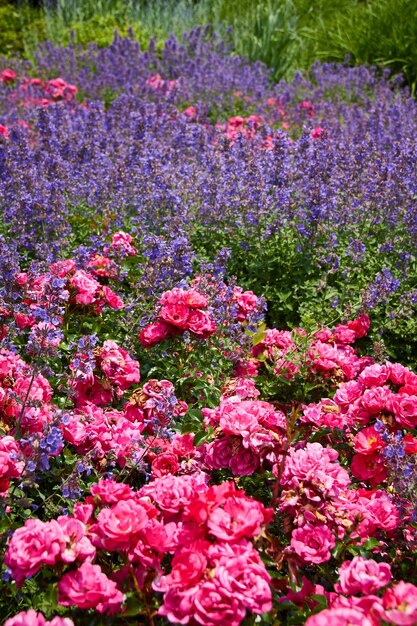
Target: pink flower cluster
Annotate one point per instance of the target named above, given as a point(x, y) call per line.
point(216, 574)
point(159, 84)
point(115, 371)
point(359, 581)
point(249, 435)
point(329, 353)
point(24, 396)
point(316, 494)
point(104, 433)
point(31, 618)
point(180, 310)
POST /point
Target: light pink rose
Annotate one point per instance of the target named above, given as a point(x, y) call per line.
point(88, 588)
point(313, 543)
point(213, 605)
point(118, 366)
point(118, 526)
point(86, 287)
point(339, 617)
point(362, 576)
point(400, 604)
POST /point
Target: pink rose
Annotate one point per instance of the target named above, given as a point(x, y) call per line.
point(360, 325)
point(34, 544)
point(200, 324)
point(8, 75)
point(213, 605)
point(110, 492)
point(194, 299)
point(118, 366)
point(178, 605)
point(340, 617)
point(374, 375)
point(343, 334)
point(176, 314)
point(239, 517)
point(400, 604)
point(165, 463)
point(123, 242)
point(374, 400)
point(188, 566)
point(243, 462)
point(155, 333)
point(118, 526)
point(368, 441)
point(362, 576)
point(369, 467)
point(31, 618)
point(112, 299)
point(313, 543)
point(88, 588)
point(404, 408)
point(86, 287)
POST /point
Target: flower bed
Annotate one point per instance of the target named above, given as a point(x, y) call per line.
point(172, 449)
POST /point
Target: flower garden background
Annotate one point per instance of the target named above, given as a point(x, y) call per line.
point(208, 397)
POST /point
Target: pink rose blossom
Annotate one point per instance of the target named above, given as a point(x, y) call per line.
point(31, 618)
point(362, 576)
point(89, 588)
point(313, 543)
point(400, 604)
point(155, 333)
point(86, 287)
point(200, 323)
point(340, 617)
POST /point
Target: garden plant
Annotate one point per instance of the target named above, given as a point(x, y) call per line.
point(208, 387)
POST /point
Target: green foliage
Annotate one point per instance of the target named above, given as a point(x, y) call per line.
point(287, 35)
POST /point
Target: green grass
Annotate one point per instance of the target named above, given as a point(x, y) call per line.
point(287, 35)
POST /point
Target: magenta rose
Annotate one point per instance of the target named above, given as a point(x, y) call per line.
point(340, 617)
point(88, 588)
point(155, 333)
point(200, 323)
point(362, 576)
point(176, 314)
point(313, 543)
point(118, 526)
point(213, 605)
